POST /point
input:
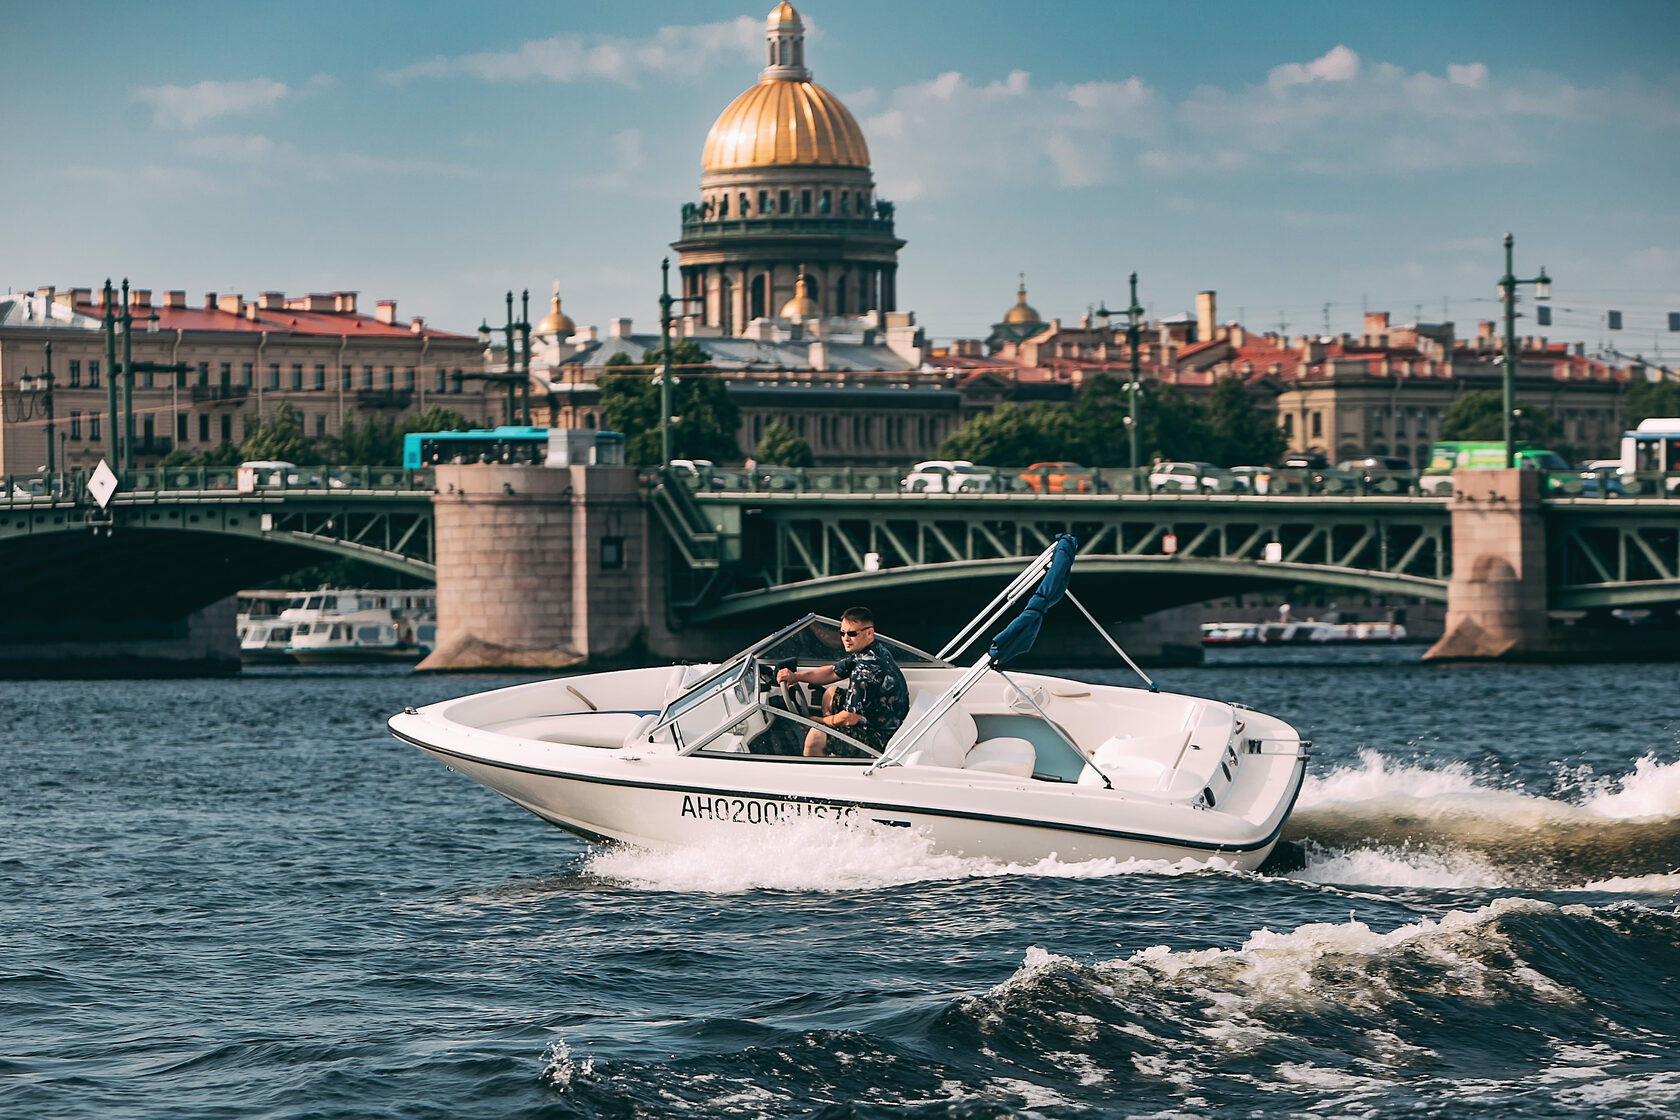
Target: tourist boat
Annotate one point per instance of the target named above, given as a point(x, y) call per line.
point(263, 635)
point(990, 762)
point(354, 626)
point(1306, 631)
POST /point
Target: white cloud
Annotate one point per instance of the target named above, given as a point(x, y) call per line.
point(189, 106)
point(1338, 114)
point(672, 52)
point(1337, 65)
point(261, 156)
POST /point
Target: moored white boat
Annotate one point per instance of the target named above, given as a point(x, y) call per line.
point(990, 762)
point(356, 626)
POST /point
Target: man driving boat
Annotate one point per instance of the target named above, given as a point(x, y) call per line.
point(877, 699)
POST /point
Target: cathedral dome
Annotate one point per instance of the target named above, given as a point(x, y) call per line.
point(780, 123)
point(801, 306)
point(786, 120)
point(556, 322)
point(1021, 312)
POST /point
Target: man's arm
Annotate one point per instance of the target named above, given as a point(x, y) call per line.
point(824, 674)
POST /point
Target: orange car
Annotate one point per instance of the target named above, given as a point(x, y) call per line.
point(1057, 478)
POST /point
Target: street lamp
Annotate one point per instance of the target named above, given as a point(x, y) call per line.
point(1508, 296)
point(1134, 320)
point(665, 363)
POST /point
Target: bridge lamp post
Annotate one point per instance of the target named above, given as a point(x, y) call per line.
point(1508, 296)
point(1134, 321)
point(665, 302)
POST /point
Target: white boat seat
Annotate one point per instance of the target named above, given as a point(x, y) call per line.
point(1137, 762)
point(1003, 755)
point(683, 678)
point(583, 729)
point(952, 741)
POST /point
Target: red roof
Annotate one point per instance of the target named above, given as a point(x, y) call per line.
point(289, 320)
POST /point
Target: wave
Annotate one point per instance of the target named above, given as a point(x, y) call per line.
point(1382, 823)
point(1471, 1010)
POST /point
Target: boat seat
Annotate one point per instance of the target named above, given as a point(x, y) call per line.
point(583, 729)
point(683, 678)
point(1137, 762)
point(1003, 755)
point(953, 741)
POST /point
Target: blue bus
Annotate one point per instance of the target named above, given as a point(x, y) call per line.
point(506, 444)
point(514, 445)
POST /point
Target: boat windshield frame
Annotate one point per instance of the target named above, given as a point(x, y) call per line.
point(730, 672)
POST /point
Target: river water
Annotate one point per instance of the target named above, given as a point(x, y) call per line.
point(243, 899)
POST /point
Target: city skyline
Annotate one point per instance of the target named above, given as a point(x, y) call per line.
point(1308, 162)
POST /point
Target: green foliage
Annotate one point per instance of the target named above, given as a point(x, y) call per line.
point(1241, 433)
point(280, 439)
point(1479, 415)
point(224, 454)
point(781, 448)
point(706, 419)
point(1651, 398)
point(1015, 436)
point(371, 444)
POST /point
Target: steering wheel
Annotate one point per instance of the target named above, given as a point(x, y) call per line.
point(792, 696)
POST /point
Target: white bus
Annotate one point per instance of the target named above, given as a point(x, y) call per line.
point(1653, 448)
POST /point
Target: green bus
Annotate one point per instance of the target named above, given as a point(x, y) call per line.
point(1449, 456)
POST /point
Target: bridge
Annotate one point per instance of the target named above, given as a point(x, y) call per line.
point(728, 559)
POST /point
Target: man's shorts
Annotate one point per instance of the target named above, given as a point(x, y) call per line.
point(863, 733)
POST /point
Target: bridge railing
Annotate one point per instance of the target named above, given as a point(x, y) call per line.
point(28, 489)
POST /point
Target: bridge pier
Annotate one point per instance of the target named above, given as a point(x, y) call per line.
point(203, 643)
point(541, 568)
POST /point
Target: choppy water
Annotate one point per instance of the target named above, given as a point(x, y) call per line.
point(238, 899)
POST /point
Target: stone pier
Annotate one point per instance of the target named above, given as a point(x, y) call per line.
point(1496, 599)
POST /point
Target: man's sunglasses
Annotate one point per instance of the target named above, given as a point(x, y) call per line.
point(854, 633)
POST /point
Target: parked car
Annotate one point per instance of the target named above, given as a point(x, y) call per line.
point(1602, 477)
point(1385, 473)
point(1295, 473)
point(947, 476)
point(1057, 478)
point(1184, 477)
point(273, 472)
point(1248, 480)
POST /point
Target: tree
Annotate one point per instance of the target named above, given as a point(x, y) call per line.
point(1479, 415)
point(1242, 434)
point(224, 454)
point(781, 448)
point(1171, 426)
point(1013, 436)
point(1651, 398)
point(280, 439)
point(706, 420)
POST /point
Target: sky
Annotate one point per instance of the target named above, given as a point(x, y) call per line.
point(1306, 160)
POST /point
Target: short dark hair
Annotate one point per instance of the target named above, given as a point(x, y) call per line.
point(858, 614)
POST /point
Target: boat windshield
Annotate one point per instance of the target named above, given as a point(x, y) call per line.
point(713, 714)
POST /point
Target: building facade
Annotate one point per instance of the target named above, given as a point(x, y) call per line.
point(242, 359)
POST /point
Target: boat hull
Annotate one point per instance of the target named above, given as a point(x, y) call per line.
point(655, 803)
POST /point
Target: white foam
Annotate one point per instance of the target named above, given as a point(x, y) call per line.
point(1652, 790)
point(1635, 884)
point(1390, 867)
point(813, 854)
point(559, 1067)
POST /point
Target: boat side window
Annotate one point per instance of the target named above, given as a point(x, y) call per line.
point(369, 633)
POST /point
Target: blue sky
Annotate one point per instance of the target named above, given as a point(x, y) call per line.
point(1287, 155)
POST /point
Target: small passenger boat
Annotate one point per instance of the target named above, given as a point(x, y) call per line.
point(989, 762)
point(356, 626)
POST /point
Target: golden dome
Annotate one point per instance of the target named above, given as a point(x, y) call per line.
point(783, 15)
point(778, 123)
point(1021, 312)
point(556, 322)
point(801, 306)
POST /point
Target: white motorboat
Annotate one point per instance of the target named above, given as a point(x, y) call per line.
point(990, 762)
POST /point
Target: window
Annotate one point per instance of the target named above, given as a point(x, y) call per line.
point(440, 379)
point(344, 376)
point(1317, 425)
point(75, 373)
point(784, 201)
point(245, 375)
point(1288, 426)
point(320, 376)
point(204, 373)
point(93, 426)
point(408, 378)
point(456, 381)
point(297, 375)
point(274, 375)
point(75, 424)
point(845, 203)
point(612, 553)
point(320, 424)
point(148, 428)
point(805, 201)
point(227, 427)
point(825, 203)
point(204, 427)
point(227, 375)
point(390, 381)
point(763, 203)
point(723, 206)
point(743, 204)
point(93, 374)
point(367, 377)
point(180, 427)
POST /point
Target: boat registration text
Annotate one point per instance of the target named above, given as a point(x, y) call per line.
point(748, 810)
